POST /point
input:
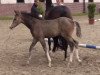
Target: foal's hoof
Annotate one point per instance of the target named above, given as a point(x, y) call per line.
point(27, 62)
point(49, 65)
point(79, 61)
point(68, 65)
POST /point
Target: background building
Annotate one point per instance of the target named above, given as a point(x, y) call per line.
point(7, 7)
point(31, 1)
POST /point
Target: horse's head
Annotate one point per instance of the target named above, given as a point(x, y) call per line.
point(17, 19)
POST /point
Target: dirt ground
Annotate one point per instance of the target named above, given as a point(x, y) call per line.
point(14, 46)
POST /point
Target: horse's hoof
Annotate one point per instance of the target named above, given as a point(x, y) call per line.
point(27, 62)
point(79, 61)
point(68, 64)
point(65, 59)
point(49, 65)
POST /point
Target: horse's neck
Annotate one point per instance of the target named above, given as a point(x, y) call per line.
point(27, 21)
point(49, 4)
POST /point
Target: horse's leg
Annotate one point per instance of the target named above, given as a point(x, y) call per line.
point(49, 43)
point(65, 49)
point(71, 45)
point(42, 41)
point(77, 55)
point(76, 51)
point(30, 49)
point(55, 43)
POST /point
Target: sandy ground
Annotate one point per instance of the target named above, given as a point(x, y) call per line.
point(14, 47)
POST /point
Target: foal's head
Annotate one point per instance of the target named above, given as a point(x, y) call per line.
point(17, 19)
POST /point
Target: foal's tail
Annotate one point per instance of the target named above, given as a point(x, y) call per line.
point(78, 29)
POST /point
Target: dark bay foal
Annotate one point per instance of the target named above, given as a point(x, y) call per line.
point(41, 29)
point(53, 12)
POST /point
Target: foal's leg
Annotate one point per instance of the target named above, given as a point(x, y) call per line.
point(42, 41)
point(30, 49)
point(77, 55)
point(76, 51)
point(71, 45)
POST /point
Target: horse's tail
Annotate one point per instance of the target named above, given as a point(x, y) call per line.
point(78, 29)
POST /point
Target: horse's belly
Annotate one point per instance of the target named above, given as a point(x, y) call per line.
point(51, 29)
point(51, 33)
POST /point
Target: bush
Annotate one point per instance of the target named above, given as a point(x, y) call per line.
point(91, 10)
point(41, 9)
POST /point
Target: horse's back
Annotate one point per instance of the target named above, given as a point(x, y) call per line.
point(66, 24)
point(50, 27)
point(60, 11)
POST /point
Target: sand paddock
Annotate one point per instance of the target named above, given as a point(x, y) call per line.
point(14, 47)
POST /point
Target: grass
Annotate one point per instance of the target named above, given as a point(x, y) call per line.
point(6, 17)
point(79, 14)
point(83, 14)
point(11, 17)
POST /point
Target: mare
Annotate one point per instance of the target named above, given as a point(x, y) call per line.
point(41, 29)
point(53, 12)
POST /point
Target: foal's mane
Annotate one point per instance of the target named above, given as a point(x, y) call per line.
point(26, 14)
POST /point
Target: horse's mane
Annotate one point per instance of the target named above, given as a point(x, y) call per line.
point(26, 13)
point(28, 16)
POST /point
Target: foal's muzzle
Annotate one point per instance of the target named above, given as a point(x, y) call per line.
point(10, 27)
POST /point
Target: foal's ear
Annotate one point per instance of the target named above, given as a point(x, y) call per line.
point(17, 12)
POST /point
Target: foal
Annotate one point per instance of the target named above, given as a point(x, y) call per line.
point(53, 12)
point(41, 29)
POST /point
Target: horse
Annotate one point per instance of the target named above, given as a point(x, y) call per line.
point(41, 29)
point(53, 12)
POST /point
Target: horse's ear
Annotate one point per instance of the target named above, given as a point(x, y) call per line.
point(17, 12)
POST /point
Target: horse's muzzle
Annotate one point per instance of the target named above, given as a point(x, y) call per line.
point(10, 27)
